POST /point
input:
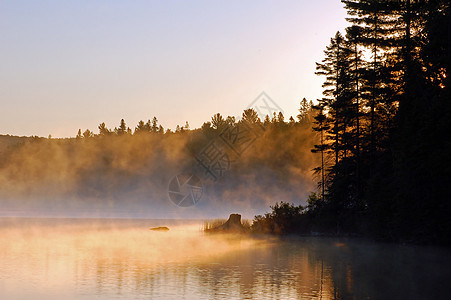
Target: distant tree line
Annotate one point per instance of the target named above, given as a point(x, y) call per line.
point(123, 129)
point(125, 168)
point(216, 124)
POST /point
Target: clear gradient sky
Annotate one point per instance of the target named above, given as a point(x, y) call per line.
point(66, 65)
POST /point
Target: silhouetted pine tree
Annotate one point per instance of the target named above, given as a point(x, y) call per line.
point(140, 128)
point(122, 128)
point(218, 122)
point(321, 126)
point(103, 130)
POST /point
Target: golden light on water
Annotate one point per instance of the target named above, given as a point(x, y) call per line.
point(141, 246)
point(93, 258)
point(105, 259)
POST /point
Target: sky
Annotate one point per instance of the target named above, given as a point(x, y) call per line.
point(69, 65)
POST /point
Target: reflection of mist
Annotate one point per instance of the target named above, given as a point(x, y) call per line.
point(127, 176)
point(112, 258)
point(99, 254)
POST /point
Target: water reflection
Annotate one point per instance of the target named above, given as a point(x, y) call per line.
point(123, 259)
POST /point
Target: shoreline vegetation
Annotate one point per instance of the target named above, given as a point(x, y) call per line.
point(285, 220)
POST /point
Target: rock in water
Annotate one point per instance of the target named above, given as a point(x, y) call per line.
point(159, 229)
point(233, 224)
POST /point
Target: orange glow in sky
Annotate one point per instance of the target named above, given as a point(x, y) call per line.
point(69, 65)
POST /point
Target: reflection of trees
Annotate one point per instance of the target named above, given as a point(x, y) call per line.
point(113, 258)
point(294, 269)
point(282, 271)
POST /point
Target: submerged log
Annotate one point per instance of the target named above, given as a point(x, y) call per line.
point(233, 224)
point(163, 228)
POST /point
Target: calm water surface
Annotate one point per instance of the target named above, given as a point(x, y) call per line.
point(123, 259)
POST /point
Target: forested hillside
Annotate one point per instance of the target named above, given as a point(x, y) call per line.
point(126, 169)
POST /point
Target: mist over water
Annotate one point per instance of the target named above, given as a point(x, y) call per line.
point(120, 258)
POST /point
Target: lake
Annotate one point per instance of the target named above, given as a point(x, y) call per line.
point(123, 259)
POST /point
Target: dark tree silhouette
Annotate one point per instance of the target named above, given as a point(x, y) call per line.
point(122, 128)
